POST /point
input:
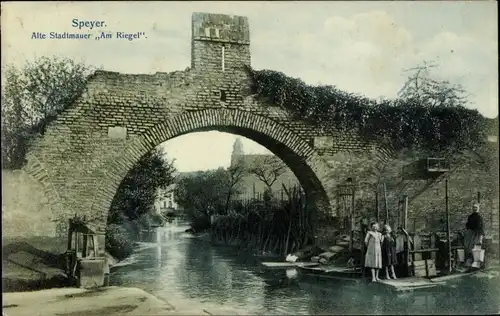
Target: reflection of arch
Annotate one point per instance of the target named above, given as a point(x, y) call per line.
point(309, 168)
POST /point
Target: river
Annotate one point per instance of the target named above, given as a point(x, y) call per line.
point(186, 268)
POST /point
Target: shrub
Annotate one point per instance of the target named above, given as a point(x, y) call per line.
point(119, 243)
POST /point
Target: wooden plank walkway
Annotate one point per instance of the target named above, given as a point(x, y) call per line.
point(284, 265)
point(452, 276)
point(409, 284)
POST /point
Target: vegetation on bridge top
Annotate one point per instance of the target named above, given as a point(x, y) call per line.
point(33, 96)
point(428, 114)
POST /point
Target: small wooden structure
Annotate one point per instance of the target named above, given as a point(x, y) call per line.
point(346, 193)
point(426, 168)
point(83, 265)
point(438, 165)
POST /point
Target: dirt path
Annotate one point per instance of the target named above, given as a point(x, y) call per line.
point(106, 301)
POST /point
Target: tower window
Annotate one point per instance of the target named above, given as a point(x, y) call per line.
point(223, 95)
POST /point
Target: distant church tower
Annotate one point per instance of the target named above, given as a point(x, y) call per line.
point(237, 151)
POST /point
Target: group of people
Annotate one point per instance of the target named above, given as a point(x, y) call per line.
point(381, 246)
point(380, 252)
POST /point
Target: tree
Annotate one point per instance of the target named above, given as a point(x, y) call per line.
point(235, 174)
point(428, 92)
point(32, 96)
point(268, 170)
point(137, 192)
point(209, 192)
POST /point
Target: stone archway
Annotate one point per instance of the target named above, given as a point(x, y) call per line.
point(307, 165)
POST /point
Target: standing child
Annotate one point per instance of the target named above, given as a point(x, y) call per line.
point(373, 258)
point(389, 258)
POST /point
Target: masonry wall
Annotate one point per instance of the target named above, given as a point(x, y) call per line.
point(26, 211)
point(469, 174)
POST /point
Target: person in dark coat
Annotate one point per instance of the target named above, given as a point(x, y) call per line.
point(474, 233)
point(389, 257)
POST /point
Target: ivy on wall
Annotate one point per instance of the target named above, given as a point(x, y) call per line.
point(401, 123)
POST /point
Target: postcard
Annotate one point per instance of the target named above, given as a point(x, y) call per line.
point(250, 158)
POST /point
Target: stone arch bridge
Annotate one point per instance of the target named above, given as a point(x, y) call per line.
point(84, 155)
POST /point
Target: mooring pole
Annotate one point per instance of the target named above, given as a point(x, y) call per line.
point(405, 218)
point(448, 233)
point(407, 236)
point(398, 215)
point(386, 206)
point(353, 224)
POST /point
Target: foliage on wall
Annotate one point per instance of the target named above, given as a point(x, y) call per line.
point(433, 119)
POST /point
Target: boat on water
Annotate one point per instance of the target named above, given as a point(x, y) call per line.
point(333, 272)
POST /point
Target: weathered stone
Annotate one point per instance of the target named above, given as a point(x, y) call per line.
point(117, 132)
point(323, 261)
point(315, 259)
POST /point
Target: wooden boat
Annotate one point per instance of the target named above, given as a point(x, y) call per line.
point(333, 272)
point(285, 265)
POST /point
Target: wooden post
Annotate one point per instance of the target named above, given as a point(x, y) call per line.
point(433, 246)
point(377, 209)
point(398, 217)
point(448, 233)
point(362, 263)
point(85, 246)
point(407, 237)
point(70, 235)
point(386, 206)
point(405, 215)
point(353, 222)
point(77, 243)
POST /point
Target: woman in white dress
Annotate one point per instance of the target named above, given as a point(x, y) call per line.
point(373, 257)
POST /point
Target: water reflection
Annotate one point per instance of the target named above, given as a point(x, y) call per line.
point(181, 267)
point(158, 255)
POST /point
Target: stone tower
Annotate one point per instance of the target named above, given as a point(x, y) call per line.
point(238, 147)
point(219, 42)
point(237, 151)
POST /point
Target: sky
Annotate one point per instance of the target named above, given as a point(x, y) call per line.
point(360, 47)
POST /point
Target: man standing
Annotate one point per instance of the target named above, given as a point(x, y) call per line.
point(474, 234)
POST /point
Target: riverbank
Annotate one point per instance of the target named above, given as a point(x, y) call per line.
point(35, 264)
point(104, 301)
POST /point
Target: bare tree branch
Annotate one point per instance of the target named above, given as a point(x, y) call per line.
point(268, 170)
point(429, 92)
